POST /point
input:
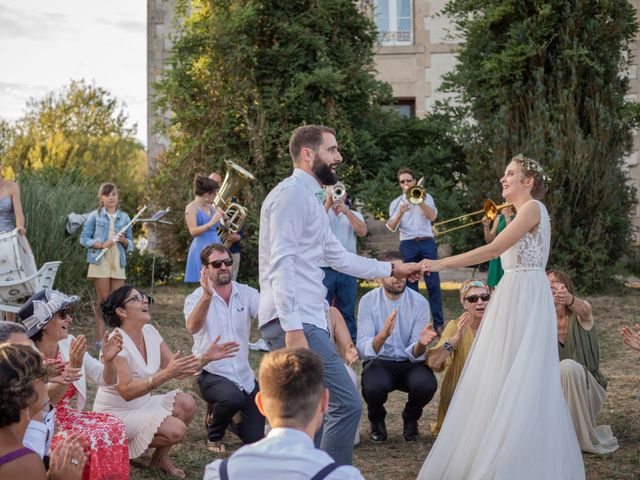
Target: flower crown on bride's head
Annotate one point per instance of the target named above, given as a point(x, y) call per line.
point(532, 166)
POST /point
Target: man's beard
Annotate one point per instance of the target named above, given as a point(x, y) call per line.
point(223, 278)
point(323, 172)
point(396, 291)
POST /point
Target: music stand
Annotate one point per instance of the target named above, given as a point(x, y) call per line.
point(154, 220)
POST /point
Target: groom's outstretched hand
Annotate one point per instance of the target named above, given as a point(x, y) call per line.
point(411, 271)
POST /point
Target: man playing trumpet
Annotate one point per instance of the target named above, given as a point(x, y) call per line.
point(414, 219)
point(346, 225)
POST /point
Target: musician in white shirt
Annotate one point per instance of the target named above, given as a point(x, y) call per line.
point(294, 400)
point(294, 237)
point(416, 239)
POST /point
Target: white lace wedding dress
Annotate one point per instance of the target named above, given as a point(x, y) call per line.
point(508, 419)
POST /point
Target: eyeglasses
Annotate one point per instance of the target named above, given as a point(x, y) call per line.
point(406, 181)
point(138, 297)
point(64, 313)
point(218, 263)
point(474, 298)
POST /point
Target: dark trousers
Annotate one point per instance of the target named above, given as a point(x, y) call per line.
point(225, 400)
point(379, 377)
point(414, 251)
point(345, 288)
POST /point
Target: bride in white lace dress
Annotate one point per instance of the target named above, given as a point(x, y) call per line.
point(508, 418)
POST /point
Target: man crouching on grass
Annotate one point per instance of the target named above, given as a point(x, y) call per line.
point(294, 399)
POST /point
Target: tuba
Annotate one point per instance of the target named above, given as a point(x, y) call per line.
point(235, 214)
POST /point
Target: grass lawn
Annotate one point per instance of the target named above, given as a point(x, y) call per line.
point(400, 460)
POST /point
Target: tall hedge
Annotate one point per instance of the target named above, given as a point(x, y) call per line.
point(548, 79)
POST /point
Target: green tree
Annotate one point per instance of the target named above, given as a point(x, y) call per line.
point(82, 128)
point(244, 73)
point(548, 79)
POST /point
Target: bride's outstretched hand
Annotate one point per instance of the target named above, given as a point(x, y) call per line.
point(431, 265)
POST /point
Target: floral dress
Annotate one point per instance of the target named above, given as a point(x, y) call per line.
point(104, 435)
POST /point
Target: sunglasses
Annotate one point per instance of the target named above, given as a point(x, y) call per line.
point(64, 313)
point(138, 297)
point(406, 181)
point(474, 298)
point(218, 263)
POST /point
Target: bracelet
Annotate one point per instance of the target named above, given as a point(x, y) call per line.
point(150, 386)
point(572, 300)
point(448, 346)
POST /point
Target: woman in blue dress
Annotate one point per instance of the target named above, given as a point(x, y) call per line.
point(202, 221)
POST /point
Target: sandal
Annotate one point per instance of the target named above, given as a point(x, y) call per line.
point(216, 447)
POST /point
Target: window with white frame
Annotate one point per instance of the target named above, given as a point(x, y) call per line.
point(394, 19)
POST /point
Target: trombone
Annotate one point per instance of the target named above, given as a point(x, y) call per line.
point(417, 193)
point(489, 210)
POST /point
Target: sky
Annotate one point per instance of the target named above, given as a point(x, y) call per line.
point(44, 44)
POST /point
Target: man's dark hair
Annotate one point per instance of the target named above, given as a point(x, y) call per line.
point(309, 136)
point(402, 170)
point(214, 247)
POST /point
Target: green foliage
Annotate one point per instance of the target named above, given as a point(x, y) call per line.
point(245, 73)
point(82, 128)
point(48, 196)
point(548, 79)
point(140, 265)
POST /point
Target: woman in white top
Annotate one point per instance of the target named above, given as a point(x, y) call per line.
point(508, 418)
point(146, 362)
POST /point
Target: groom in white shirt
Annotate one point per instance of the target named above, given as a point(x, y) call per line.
point(294, 236)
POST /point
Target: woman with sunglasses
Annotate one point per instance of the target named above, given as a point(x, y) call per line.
point(508, 417)
point(144, 364)
point(47, 319)
point(455, 343)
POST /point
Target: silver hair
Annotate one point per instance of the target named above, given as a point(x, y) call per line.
point(9, 328)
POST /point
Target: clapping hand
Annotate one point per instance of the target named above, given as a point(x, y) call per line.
point(463, 324)
point(111, 347)
point(68, 459)
point(181, 367)
point(389, 323)
point(67, 375)
point(630, 337)
point(77, 351)
point(427, 334)
point(205, 281)
point(218, 351)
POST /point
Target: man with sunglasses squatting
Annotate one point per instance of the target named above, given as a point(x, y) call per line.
point(223, 308)
point(416, 239)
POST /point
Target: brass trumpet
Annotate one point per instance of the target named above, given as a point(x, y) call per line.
point(489, 210)
point(417, 193)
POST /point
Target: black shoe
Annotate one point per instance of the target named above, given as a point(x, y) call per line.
point(410, 431)
point(378, 431)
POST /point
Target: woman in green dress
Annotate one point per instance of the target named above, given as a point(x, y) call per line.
point(499, 223)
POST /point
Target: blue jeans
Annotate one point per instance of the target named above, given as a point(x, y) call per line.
point(345, 288)
point(345, 407)
point(414, 251)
